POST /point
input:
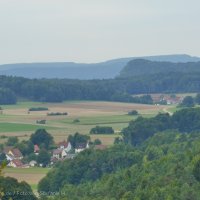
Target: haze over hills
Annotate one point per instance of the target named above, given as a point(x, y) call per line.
point(83, 71)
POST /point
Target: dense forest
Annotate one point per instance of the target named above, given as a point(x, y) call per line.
point(118, 89)
point(169, 169)
point(185, 121)
point(164, 164)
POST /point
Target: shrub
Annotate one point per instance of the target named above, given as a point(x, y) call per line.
point(133, 112)
point(38, 109)
point(102, 130)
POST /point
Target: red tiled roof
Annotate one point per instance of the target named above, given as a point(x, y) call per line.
point(17, 162)
point(57, 151)
point(17, 153)
point(63, 143)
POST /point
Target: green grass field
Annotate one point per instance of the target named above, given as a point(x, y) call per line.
point(100, 120)
point(16, 127)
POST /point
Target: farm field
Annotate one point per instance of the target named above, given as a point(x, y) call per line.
point(17, 121)
point(31, 175)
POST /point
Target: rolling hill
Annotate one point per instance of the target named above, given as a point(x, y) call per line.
point(138, 67)
point(83, 71)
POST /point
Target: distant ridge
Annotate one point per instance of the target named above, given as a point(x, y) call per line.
point(82, 71)
point(138, 67)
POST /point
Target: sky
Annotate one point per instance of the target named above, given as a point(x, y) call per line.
point(96, 30)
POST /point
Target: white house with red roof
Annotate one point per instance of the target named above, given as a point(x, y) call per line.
point(64, 145)
point(59, 154)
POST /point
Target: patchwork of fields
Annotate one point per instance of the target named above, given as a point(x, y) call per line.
point(17, 121)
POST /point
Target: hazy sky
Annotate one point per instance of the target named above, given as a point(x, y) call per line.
point(96, 30)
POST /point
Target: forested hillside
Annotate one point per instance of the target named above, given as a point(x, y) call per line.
point(118, 89)
point(169, 170)
point(139, 67)
point(166, 165)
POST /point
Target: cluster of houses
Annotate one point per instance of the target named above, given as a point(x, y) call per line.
point(63, 151)
point(169, 99)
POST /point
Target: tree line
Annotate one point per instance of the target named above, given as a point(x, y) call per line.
point(119, 89)
point(185, 120)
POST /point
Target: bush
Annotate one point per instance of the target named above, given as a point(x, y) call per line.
point(133, 112)
point(38, 109)
point(12, 141)
point(76, 121)
point(57, 113)
point(43, 121)
point(102, 130)
point(97, 142)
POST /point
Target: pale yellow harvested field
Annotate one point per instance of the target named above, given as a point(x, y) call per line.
point(29, 178)
point(85, 109)
point(89, 112)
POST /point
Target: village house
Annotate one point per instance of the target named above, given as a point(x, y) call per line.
point(59, 153)
point(54, 160)
point(13, 153)
point(65, 146)
point(173, 100)
point(16, 163)
point(81, 147)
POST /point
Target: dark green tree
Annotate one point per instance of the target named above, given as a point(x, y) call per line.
point(10, 188)
point(12, 141)
point(188, 101)
point(26, 147)
point(43, 138)
point(43, 158)
point(97, 142)
point(78, 138)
